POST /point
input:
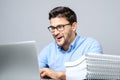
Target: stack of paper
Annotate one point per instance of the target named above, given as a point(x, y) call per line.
point(94, 66)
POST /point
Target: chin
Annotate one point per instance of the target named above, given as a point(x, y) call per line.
point(59, 44)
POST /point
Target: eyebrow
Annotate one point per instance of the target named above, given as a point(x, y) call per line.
point(59, 25)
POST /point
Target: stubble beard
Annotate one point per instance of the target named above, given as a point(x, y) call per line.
point(65, 42)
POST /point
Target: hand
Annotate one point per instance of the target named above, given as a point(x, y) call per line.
point(47, 73)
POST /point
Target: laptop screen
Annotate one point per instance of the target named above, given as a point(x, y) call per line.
point(18, 61)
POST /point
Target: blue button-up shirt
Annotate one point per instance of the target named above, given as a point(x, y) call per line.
point(54, 57)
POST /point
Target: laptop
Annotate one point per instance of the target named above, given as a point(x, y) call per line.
point(18, 61)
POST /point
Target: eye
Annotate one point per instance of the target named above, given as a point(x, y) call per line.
point(52, 27)
point(60, 26)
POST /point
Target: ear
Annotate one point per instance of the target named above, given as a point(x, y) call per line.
point(74, 26)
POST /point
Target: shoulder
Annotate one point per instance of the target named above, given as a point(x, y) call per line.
point(93, 45)
point(87, 39)
point(89, 42)
point(92, 40)
point(49, 46)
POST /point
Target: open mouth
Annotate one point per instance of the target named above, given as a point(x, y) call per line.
point(59, 38)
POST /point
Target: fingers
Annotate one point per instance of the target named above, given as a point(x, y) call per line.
point(50, 74)
point(44, 73)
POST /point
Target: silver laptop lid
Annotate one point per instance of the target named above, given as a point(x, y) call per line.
point(18, 61)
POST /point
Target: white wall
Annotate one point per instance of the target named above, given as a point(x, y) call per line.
point(22, 20)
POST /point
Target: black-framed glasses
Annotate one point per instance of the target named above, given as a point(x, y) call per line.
point(58, 27)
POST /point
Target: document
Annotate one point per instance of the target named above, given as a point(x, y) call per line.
point(94, 66)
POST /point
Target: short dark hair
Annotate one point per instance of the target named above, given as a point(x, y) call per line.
point(66, 12)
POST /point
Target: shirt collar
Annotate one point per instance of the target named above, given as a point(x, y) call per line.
point(74, 42)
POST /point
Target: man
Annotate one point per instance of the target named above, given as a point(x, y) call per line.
point(68, 46)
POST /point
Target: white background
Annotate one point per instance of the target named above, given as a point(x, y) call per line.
point(23, 20)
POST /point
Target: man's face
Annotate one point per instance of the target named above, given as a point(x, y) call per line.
point(64, 37)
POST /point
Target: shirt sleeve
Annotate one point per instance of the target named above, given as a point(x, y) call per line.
point(42, 59)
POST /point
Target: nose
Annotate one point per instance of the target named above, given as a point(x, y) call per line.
point(56, 32)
